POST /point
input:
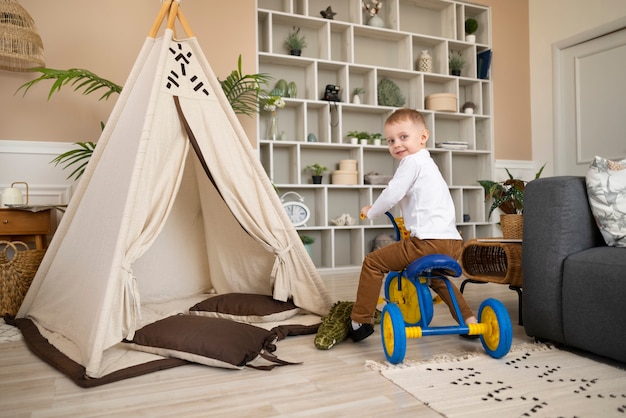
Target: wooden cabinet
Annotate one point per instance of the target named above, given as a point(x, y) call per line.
point(349, 53)
point(23, 225)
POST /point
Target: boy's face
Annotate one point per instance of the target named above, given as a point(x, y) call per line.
point(405, 138)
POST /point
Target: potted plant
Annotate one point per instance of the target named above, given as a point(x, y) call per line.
point(508, 196)
point(356, 92)
point(316, 171)
point(456, 62)
point(307, 240)
point(359, 136)
point(295, 42)
point(376, 138)
point(469, 107)
point(471, 26)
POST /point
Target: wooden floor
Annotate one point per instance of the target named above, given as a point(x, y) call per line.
point(328, 383)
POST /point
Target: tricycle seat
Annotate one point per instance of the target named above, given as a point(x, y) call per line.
point(434, 265)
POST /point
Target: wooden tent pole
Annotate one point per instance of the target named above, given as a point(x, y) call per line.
point(172, 17)
point(161, 16)
point(184, 23)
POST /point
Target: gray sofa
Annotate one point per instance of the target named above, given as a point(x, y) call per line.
point(574, 284)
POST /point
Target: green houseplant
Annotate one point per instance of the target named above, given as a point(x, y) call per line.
point(317, 170)
point(471, 26)
point(456, 62)
point(507, 195)
point(307, 240)
point(295, 41)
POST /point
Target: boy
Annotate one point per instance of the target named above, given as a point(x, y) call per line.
point(428, 212)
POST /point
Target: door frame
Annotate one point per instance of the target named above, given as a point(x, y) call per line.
point(558, 48)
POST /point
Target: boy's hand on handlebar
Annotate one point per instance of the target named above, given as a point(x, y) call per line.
point(364, 211)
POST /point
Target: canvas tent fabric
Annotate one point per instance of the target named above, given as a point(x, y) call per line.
point(148, 223)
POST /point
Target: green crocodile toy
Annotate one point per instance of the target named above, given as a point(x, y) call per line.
point(334, 327)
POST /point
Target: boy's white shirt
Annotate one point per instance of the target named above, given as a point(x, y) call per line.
point(422, 194)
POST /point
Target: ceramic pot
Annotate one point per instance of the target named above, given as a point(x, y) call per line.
point(376, 21)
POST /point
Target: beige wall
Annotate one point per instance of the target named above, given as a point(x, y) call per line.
point(511, 79)
point(105, 37)
point(553, 21)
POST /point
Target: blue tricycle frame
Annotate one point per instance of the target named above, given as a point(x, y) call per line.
point(409, 308)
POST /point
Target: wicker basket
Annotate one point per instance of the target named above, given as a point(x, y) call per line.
point(512, 226)
point(16, 274)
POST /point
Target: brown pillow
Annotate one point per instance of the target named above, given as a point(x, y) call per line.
point(210, 341)
point(245, 307)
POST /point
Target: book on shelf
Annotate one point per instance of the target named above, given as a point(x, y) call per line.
point(459, 145)
point(484, 62)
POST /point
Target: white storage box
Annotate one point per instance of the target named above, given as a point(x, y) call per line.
point(345, 177)
point(443, 102)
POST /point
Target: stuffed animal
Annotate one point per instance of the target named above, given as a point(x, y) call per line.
point(334, 327)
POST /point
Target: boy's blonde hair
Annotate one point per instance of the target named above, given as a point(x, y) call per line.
point(406, 114)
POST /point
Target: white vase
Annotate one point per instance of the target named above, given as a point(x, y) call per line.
point(425, 62)
point(376, 21)
point(469, 110)
point(470, 38)
point(356, 99)
point(377, 142)
point(354, 141)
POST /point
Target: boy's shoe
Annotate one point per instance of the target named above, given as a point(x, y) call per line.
point(470, 337)
point(364, 331)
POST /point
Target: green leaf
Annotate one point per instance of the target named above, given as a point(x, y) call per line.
point(80, 155)
point(79, 78)
point(243, 90)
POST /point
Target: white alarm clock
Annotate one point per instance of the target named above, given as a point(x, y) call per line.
point(297, 211)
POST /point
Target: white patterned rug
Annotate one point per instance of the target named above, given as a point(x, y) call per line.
point(9, 333)
point(533, 380)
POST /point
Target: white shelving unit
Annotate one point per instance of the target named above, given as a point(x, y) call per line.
point(345, 51)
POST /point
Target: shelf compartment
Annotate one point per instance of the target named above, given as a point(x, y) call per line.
point(355, 118)
point(350, 241)
point(438, 50)
point(315, 31)
point(313, 197)
point(299, 70)
point(382, 48)
point(372, 233)
point(409, 84)
point(469, 168)
point(378, 160)
point(365, 78)
point(290, 122)
point(484, 140)
point(454, 127)
point(343, 199)
point(326, 156)
point(428, 17)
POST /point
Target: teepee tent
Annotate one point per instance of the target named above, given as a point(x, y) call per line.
point(174, 202)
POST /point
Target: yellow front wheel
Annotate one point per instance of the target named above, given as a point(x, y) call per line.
point(393, 333)
point(498, 337)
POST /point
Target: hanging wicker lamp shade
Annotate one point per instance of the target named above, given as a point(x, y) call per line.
point(20, 45)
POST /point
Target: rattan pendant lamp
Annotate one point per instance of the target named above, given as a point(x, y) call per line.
point(20, 45)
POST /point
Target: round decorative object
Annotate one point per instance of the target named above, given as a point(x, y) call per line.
point(376, 21)
point(297, 211)
point(425, 62)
